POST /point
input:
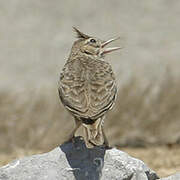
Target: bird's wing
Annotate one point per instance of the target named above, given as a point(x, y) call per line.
point(72, 88)
point(103, 88)
point(87, 90)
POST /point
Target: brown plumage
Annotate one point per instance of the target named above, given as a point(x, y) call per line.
point(87, 86)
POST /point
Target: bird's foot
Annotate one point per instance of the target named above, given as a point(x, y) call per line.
point(107, 147)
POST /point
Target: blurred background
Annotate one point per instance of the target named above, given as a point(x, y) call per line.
point(35, 41)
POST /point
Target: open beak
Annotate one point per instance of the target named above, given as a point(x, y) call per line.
point(110, 49)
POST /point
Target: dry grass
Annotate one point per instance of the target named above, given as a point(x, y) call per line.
point(149, 111)
point(35, 119)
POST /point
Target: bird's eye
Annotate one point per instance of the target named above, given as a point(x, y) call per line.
point(93, 41)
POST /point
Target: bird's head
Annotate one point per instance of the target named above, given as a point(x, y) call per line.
point(91, 46)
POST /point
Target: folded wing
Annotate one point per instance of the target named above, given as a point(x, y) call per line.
point(87, 88)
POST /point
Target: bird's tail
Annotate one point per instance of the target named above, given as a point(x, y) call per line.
point(94, 132)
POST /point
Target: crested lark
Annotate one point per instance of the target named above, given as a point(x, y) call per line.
point(87, 86)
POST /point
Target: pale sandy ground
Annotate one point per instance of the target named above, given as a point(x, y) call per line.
point(163, 160)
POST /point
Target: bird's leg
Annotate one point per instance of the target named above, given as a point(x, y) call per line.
point(93, 134)
point(86, 134)
point(106, 143)
point(88, 144)
point(72, 135)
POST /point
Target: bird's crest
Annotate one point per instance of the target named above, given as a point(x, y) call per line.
point(80, 34)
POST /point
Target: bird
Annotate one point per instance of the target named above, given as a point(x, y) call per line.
point(87, 87)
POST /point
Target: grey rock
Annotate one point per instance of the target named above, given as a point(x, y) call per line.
point(172, 177)
point(74, 161)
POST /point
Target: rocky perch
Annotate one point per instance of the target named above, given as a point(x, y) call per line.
point(74, 161)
